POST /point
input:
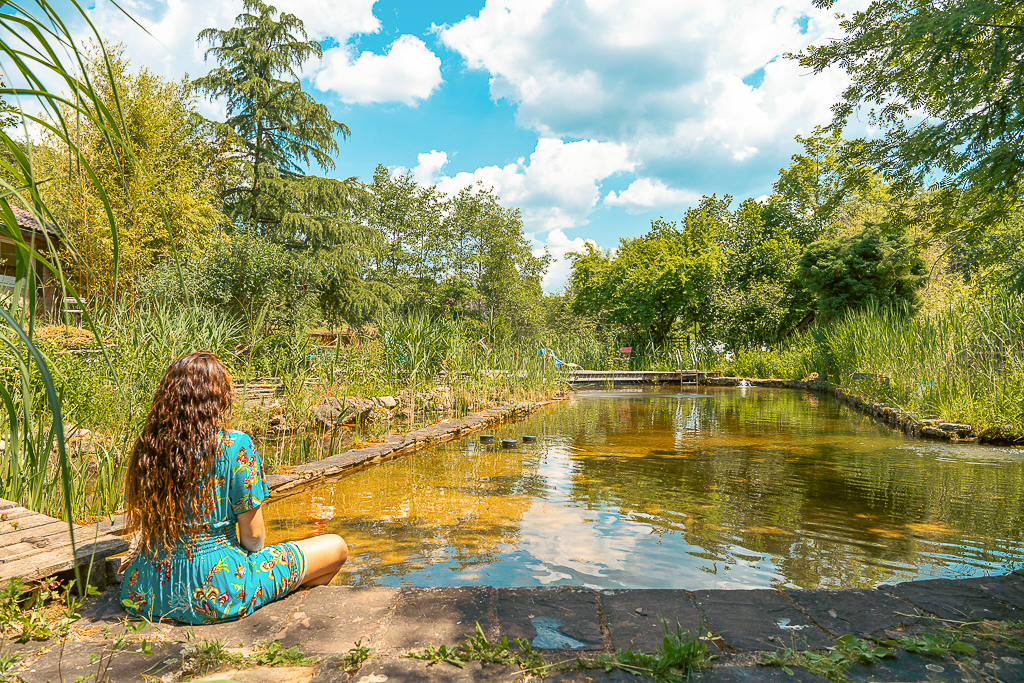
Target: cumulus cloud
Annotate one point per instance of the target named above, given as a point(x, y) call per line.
point(645, 194)
point(406, 73)
point(556, 188)
point(558, 245)
point(665, 77)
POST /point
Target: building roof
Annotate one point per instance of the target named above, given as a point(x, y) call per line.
point(28, 223)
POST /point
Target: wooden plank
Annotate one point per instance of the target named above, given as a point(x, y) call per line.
point(53, 561)
point(6, 504)
point(12, 537)
point(31, 521)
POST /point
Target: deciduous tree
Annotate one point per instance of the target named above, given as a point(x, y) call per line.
point(945, 80)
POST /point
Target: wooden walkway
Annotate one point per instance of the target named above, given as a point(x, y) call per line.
point(33, 545)
point(638, 377)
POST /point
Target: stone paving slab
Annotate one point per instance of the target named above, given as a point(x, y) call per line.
point(415, 671)
point(956, 600)
point(331, 619)
point(73, 660)
point(759, 620)
point(634, 616)
point(907, 666)
point(591, 676)
point(754, 674)
point(437, 615)
point(1008, 589)
point(551, 618)
point(863, 612)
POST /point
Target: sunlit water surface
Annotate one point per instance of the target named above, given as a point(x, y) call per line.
point(709, 488)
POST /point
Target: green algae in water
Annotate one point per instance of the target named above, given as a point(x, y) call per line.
point(721, 488)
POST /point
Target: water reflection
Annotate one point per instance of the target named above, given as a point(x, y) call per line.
point(681, 489)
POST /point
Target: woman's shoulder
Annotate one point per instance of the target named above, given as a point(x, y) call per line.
point(233, 440)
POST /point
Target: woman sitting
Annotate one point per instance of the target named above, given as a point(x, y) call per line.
point(189, 483)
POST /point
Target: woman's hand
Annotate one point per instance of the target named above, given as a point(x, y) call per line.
point(251, 531)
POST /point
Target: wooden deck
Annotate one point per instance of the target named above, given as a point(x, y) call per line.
point(638, 377)
point(33, 545)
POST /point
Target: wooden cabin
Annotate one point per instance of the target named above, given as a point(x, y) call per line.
point(48, 296)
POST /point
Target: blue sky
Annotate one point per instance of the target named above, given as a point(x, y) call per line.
point(591, 116)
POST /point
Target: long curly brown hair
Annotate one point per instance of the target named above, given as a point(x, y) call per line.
point(169, 479)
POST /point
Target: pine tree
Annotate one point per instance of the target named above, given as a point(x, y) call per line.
point(274, 128)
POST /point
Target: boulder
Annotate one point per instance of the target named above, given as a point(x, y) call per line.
point(388, 402)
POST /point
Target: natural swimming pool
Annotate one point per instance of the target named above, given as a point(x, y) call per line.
point(668, 488)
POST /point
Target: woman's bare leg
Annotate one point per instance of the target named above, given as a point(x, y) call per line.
point(324, 557)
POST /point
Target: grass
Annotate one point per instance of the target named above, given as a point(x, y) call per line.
point(678, 655)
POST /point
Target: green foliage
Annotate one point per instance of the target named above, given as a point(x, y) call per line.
point(824, 188)
point(39, 610)
point(160, 181)
point(649, 282)
point(832, 663)
point(938, 642)
point(678, 655)
point(871, 267)
point(944, 80)
point(275, 130)
point(478, 648)
point(276, 655)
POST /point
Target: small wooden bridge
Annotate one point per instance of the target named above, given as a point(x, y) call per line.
point(581, 377)
point(34, 546)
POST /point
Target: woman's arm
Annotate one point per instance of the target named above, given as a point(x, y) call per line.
point(251, 531)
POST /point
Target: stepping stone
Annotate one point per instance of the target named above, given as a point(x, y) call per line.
point(863, 612)
point(551, 618)
point(437, 616)
point(634, 617)
point(955, 599)
point(759, 620)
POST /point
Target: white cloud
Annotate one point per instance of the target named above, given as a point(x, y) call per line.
point(557, 244)
point(664, 77)
point(557, 187)
point(644, 194)
point(428, 167)
point(406, 73)
point(170, 48)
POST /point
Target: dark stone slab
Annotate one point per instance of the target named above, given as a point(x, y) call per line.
point(592, 676)
point(331, 670)
point(908, 666)
point(563, 618)
point(958, 600)
point(415, 671)
point(759, 620)
point(74, 660)
point(634, 617)
point(754, 674)
point(863, 612)
point(1008, 589)
point(330, 619)
point(437, 615)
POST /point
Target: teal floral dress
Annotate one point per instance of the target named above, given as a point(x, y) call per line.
point(209, 577)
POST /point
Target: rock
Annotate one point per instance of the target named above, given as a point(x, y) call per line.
point(388, 402)
point(325, 415)
point(958, 429)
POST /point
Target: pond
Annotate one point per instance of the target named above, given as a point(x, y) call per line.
point(655, 488)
